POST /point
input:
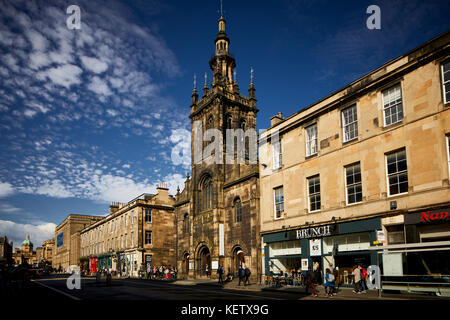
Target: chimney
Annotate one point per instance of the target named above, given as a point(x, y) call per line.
point(162, 188)
point(276, 119)
point(113, 207)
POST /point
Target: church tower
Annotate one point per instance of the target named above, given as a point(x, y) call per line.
point(218, 211)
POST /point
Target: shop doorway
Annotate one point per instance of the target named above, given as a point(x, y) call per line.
point(204, 261)
point(345, 264)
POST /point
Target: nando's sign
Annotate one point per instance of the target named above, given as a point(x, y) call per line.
point(429, 216)
point(314, 232)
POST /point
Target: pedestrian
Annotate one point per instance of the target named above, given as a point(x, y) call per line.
point(166, 273)
point(336, 280)
point(160, 272)
point(220, 272)
point(356, 279)
point(363, 279)
point(175, 271)
point(207, 270)
point(329, 283)
point(247, 275)
point(241, 275)
point(148, 271)
point(155, 272)
point(310, 281)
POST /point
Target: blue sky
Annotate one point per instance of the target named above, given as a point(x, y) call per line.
point(92, 116)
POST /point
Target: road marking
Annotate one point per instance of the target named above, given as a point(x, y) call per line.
point(57, 290)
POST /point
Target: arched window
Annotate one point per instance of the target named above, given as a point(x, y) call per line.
point(237, 210)
point(207, 194)
point(186, 223)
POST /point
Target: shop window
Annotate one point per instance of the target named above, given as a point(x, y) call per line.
point(397, 172)
point(311, 140)
point(353, 183)
point(392, 105)
point(396, 234)
point(445, 71)
point(350, 123)
point(279, 202)
point(314, 193)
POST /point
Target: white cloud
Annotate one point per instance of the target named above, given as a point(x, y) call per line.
point(65, 75)
point(16, 232)
point(54, 188)
point(6, 189)
point(99, 86)
point(93, 64)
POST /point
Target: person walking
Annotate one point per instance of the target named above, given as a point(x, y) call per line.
point(356, 279)
point(220, 272)
point(148, 271)
point(310, 281)
point(247, 273)
point(241, 275)
point(336, 280)
point(329, 283)
point(363, 279)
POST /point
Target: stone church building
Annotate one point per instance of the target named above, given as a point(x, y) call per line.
point(218, 211)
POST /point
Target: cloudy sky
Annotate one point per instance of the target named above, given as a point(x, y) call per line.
point(93, 115)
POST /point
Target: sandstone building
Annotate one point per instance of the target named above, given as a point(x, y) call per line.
point(358, 169)
point(217, 213)
point(67, 239)
point(137, 234)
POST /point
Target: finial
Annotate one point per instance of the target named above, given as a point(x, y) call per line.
point(206, 77)
point(221, 9)
point(187, 176)
point(195, 81)
point(234, 74)
point(251, 74)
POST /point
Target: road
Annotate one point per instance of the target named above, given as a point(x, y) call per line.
point(135, 289)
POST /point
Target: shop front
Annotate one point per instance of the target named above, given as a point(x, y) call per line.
point(341, 245)
point(93, 264)
point(104, 262)
point(419, 261)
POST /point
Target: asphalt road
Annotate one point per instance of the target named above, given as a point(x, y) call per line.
point(135, 289)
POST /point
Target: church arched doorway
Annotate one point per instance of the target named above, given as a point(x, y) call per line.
point(238, 259)
point(204, 261)
point(186, 263)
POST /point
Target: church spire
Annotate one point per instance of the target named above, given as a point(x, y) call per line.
point(222, 63)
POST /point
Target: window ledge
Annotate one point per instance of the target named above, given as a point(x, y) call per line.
point(393, 125)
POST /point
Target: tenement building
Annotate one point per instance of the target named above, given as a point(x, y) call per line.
point(362, 175)
point(135, 235)
point(67, 239)
point(218, 210)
